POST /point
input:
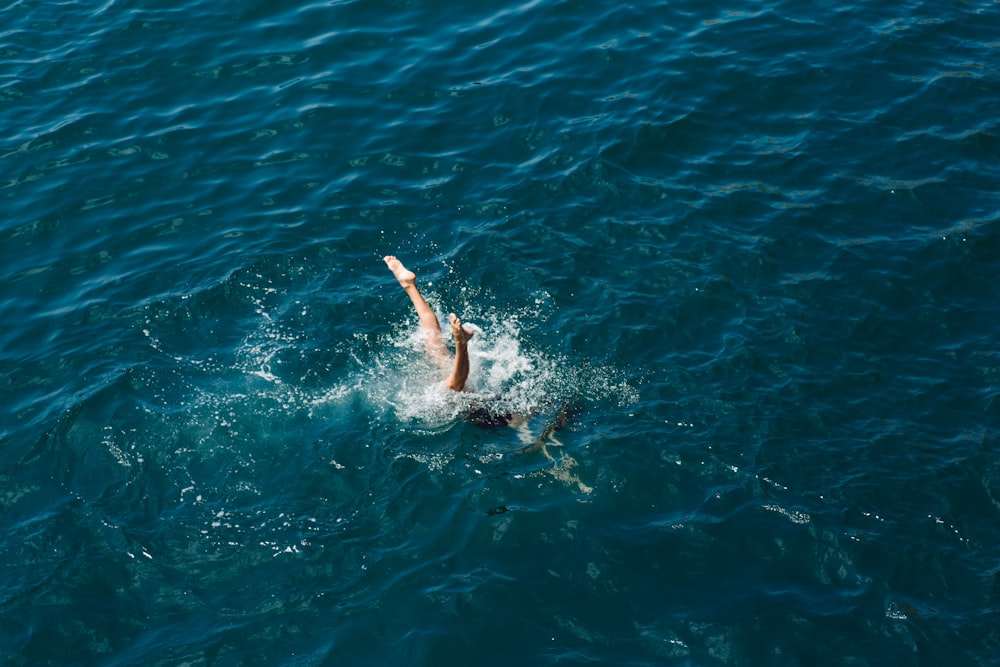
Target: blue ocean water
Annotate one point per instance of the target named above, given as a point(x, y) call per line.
point(745, 251)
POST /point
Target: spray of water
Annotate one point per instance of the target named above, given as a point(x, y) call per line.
point(509, 374)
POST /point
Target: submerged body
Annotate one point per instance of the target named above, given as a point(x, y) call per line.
point(479, 412)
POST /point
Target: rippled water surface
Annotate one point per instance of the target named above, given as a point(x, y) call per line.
point(735, 265)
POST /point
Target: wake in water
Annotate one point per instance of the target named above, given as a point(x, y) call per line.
point(245, 409)
point(273, 379)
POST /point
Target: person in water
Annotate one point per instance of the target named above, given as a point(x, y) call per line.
point(459, 374)
point(432, 328)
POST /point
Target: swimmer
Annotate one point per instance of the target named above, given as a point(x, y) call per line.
point(432, 329)
point(480, 414)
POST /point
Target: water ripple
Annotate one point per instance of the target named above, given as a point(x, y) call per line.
point(756, 244)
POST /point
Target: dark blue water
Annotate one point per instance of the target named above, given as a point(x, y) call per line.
point(749, 250)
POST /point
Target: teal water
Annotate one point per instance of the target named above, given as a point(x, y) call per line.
point(751, 246)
